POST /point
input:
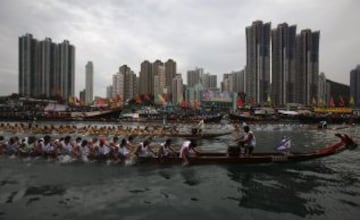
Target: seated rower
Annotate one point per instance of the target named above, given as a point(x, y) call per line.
point(248, 141)
point(144, 150)
point(186, 149)
point(123, 151)
point(103, 149)
point(165, 149)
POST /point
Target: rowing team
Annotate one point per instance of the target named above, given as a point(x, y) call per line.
point(86, 130)
point(93, 149)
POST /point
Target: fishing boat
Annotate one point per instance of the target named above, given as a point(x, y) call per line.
point(344, 143)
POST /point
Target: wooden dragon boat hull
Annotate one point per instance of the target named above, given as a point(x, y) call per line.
point(258, 158)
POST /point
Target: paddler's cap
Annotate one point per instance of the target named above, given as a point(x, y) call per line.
point(102, 140)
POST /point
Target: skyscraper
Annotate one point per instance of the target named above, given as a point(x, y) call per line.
point(146, 78)
point(129, 82)
point(89, 82)
point(228, 82)
point(239, 81)
point(258, 61)
point(46, 69)
point(355, 85)
point(109, 91)
point(194, 76)
point(159, 78)
point(170, 73)
point(322, 94)
point(118, 85)
point(177, 89)
point(209, 81)
point(283, 63)
point(307, 67)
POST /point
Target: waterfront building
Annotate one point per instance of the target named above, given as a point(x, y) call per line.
point(209, 81)
point(258, 61)
point(355, 85)
point(307, 67)
point(118, 85)
point(322, 91)
point(129, 85)
point(146, 78)
point(46, 69)
point(109, 91)
point(239, 81)
point(194, 76)
point(170, 73)
point(89, 83)
point(283, 63)
point(177, 89)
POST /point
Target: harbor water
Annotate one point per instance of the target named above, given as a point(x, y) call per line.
point(326, 188)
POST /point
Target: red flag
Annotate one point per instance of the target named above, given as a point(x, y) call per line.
point(183, 104)
point(138, 100)
point(147, 97)
point(197, 104)
point(101, 102)
point(118, 98)
point(332, 103)
point(341, 101)
point(239, 102)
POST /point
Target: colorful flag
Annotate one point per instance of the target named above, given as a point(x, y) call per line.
point(341, 101)
point(184, 104)
point(331, 102)
point(147, 97)
point(239, 102)
point(314, 101)
point(138, 100)
point(161, 99)
point(269, 100)
point(196, 104)
point(351, 102)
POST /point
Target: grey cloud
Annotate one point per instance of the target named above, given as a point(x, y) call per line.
point(205, 33)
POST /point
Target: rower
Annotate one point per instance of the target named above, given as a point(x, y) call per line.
point(186, 149)
point(144, 150)
point(248, 141)
point(165, 149)
point(103, 150)
point(66, 146)
point(123, 151)
point(201, 127)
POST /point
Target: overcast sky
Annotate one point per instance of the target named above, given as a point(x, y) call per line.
point(203, 33)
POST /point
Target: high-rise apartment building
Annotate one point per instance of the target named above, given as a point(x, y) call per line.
point(109, 92)
point(194, 76)
point(129, 82)
point(307, 67)
point(209, 81)
point(46, 69)
point(89, 83)
point(146, 78)
point(177, 89)
point(118, 85)
point(322, 91)
point(355, 85)
point(228, 82)
point(258, 61)
point(170, 73)
point(283, 63)
point(239, 81)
